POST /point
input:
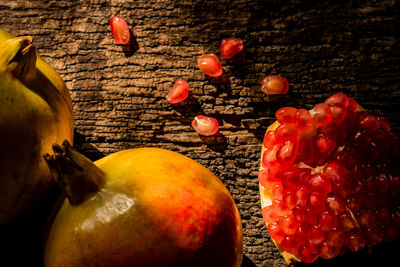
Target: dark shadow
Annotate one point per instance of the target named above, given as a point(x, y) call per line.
point(130, 48)
point(222, 83)
point(247, 262)
point(216, 142)
point(188, 108)
point(86, 148)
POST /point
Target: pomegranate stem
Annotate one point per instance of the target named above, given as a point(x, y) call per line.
point(77, 176)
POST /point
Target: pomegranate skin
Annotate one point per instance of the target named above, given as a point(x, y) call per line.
point(156, 208)
point(35, 112)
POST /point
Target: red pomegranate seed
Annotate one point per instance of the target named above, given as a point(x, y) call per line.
point(317, 201)
point(329, 252)
point(343, 189)
point(299, 213)
point(280, 208)
point(322, 115)
point(382, 183)
point(269, 214)
point(315, 235)
point(301, 196)
point(275, 231)
point(287, 153)
point(210, 65)
point(354, 240)
point(327, 221)
point(205, 125)
point(286, 132)
point(353, 204)
point(269, 155)
point(306, 151)
point(290, 244)
point(325, 144)
point(277, 191)
point(384, 124)
point(319, 182)
point(338, 113)
point(289, 224)
point(311, 214)
point(269, 139)
point(346, 222)
point(289, 200)
point(384, 216)
point(344, 158)
point(305, 175)
point(268, 177)
point(286, 115)
point(366, 219)
point(120, 30)
point(334, 238)
point(335, 172)
point(308, 253)
point(275, 85)
point(179, 92)
point(391, 232)
point(290, 178)
point(335, 205)
point(368, 122)
point(230, 47)
point(338, 99)
point(374, 235)
point(353, 105)
point(304, 121)
point(394, 184)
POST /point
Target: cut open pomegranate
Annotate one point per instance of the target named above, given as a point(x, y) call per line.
point(329, 180)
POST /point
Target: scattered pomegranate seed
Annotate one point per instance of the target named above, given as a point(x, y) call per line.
point(286, 115)
point(275, 85)
point(230, 47)
point(205, 125)
point(120, 30)
point(210, 65)
point(179, 92)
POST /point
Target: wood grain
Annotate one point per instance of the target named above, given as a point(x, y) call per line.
point(118, 92)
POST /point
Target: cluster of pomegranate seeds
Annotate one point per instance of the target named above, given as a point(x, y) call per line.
point(179, 92)
point(333, 175)
point(205, 125)
point(120, 30)
point(275, 85)
point(230, 47)
point(210, 65)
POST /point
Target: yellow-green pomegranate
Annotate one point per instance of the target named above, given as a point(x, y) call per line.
point(141, 207)
point(35, 112)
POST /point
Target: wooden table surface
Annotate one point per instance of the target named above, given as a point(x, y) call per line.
point(118, 92)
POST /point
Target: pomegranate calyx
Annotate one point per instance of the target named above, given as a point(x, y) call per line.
point(77, 176)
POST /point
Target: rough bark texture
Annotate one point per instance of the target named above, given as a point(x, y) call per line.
point(118, 92)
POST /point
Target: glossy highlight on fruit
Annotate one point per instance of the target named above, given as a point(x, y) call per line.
point(205, 125)
point(141, 207)
point(230, 47)
point(120, 30)
point(35, 112)
point(179, 92)
point(275, 85)
point(333, 172)
point(210, 65)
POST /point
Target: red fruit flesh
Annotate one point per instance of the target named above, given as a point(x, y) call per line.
point(275, 85)
point(210, 65)
point(333, 172)
point(179, 92)
point(230, 47)
point(205, 125)
point(120, 30)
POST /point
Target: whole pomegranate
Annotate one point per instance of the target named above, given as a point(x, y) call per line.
point(329, 179)
point(141, 207)
point(35, 112)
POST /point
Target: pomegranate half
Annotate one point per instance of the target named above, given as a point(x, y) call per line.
point(141, 207)
point(35, 112)
point(329, 180)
